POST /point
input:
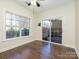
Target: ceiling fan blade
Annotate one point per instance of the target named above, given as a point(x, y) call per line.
point(38, 5)
point(28, 3)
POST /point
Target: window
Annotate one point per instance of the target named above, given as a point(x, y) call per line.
point(16, 26)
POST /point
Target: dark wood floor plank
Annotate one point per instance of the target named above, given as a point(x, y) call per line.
point(39, 50)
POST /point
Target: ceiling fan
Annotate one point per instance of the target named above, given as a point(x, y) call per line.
point(34, 2)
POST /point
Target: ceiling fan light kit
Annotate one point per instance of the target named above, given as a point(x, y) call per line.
point(38, 4)
point(33, 2)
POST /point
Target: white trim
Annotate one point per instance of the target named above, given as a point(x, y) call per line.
point(77, 51)
point(57, 44)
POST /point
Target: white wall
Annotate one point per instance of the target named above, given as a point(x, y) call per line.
point(77, 26)
point(12, 6)
point(67, 13)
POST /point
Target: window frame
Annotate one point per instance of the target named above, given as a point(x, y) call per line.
point(20, 37)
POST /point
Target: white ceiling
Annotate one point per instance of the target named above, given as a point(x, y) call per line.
point(45, 5)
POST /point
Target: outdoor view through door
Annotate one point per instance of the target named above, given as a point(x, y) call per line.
point(52, 30)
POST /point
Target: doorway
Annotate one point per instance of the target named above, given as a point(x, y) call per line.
point(52, 30)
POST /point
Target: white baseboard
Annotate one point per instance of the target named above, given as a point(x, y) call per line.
point(14, 46)
point(77, 51)
point(59, 44)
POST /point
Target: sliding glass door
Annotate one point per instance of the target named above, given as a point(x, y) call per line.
point(52, 30)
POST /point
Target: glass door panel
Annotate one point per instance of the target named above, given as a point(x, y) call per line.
point(56, 31)
point(46, 27)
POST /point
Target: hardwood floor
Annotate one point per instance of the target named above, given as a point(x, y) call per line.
point(39, 50)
